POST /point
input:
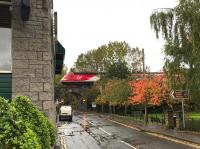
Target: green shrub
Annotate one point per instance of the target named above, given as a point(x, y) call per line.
point(36, 121)
point(52, 132)
point(29, 140)
point(14, 133)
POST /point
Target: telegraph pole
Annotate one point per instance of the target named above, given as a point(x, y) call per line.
point(145, 96)
point(143, 62)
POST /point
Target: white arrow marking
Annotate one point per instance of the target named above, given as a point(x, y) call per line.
point(172, 94)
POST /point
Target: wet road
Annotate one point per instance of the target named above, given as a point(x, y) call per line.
point(91, 131)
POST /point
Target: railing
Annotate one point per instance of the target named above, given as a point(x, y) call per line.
point(158, 118)
point(155, 117)
point(192, 124)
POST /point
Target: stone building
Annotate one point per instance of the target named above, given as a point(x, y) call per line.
point(30, 53)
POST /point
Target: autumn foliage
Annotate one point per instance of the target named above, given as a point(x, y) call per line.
point(101, 99)
point(153, 88)
point(116, 92)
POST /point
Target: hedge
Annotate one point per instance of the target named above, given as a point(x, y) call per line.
point(23, 126)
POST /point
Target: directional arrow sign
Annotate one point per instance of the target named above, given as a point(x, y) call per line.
point(179, 94)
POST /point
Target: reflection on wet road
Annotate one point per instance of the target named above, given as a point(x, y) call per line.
point(93, 131)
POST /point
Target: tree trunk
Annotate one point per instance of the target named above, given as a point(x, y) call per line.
point(110, 110)
point(114, 109)
point(125, 109)
point(102, 108)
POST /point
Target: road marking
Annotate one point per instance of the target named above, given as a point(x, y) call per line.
point(125, 125)
point(91, 123)
point(105, 131)
point(195, 145)
point(128, 144)
point(62, 144)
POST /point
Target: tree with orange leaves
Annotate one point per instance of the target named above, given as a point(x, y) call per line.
point(153, 88)
point(149, 90)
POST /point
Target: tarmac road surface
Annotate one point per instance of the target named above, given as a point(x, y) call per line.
point(94, 131)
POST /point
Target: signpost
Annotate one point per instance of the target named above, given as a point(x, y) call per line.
point(180, 95)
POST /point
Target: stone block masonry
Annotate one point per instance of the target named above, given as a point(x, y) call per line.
point(32, 63)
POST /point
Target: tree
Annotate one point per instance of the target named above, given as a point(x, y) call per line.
point(180, 28)
point(117, 70)
point(117, 92)
point(154, 88)
point(58, 77)
point(90, 94)
point(151, 90)
point(101, 100)
point(97, 60)
point(59, 87)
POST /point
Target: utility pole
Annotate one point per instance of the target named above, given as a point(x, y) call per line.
point(183, 111)
point(145, 96)
point(143, 62)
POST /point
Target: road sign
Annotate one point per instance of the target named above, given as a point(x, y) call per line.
point(179, 94)
point(94, 105)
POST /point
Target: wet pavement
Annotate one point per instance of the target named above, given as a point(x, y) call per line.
point(93, 131)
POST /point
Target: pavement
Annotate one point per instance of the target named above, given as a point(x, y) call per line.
point(192, 137)
point(99, 131)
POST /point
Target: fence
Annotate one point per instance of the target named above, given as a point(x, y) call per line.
point(136, 113)
point(155, 116)
point(158, 118)
point(191, 124)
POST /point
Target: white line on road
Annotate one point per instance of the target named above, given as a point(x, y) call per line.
point(128, 144)
point(105, 131)
point(91, 123)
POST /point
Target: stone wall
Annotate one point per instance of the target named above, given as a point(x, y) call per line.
point(32, 55)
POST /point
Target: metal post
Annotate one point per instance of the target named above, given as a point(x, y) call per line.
point(183, 113)
point(145, 98)
point(145, 111)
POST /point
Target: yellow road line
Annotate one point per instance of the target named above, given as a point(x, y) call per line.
point(135, 128)
point(175, 140)
point(62, 144)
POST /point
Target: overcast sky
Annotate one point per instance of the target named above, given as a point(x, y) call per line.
point(87, 24)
